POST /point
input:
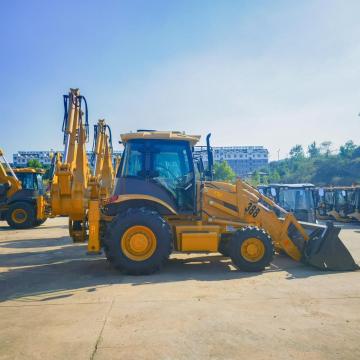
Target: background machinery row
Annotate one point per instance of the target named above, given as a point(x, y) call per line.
point(310, 203)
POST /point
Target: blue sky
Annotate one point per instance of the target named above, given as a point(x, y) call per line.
point(272, 73)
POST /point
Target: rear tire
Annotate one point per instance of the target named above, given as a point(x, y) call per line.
point(20, 215)
point(251, 249)
point(138, 241)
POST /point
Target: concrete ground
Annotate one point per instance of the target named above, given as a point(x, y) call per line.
point(58, 303)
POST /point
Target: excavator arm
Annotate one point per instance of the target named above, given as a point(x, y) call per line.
point(103, 169)
point(69, 186)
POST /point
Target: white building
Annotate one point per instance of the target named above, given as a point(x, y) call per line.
point(242, 159)
point(21, 158)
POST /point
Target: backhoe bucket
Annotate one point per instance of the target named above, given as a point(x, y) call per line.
point(326, 251)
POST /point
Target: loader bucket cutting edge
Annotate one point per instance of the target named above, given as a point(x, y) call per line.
point(326, 251)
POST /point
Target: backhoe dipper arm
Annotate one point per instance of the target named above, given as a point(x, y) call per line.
point(103, 170)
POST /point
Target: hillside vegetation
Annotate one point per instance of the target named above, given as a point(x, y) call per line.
point(319, 165)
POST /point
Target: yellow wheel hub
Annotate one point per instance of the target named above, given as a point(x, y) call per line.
point(252, 250)
point(19, 216)
point(138, 243)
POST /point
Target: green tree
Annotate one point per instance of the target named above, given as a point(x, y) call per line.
point(347, 150)
point(274, 176)
point(255, 178)
point(34, 163)
point(297, 152)
point(356, 153)
point(313, 150)
point(325, 148)
point(223, 172)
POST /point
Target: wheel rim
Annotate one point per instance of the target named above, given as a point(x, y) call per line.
point(138, 243)
point(19, 216)
point(252, 250)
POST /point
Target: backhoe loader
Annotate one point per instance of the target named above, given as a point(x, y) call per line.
point(336, 203)
point(160, 204)
point(355, 204)
point(324, 202)
point(21, 195)
point(295, 198)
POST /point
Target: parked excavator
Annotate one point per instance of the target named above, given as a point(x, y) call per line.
point(165, 201)
point(21, 195)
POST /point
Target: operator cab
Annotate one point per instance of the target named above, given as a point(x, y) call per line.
point(159, 165)
point(324, 201)
point(31, 181)
point(343, 200)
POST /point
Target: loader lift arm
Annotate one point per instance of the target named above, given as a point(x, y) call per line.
point(241, 204)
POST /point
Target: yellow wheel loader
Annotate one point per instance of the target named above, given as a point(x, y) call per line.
point(21, 196)
point(165, 201)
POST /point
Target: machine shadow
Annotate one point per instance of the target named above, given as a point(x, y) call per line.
point(68, 268)
point(35, 243)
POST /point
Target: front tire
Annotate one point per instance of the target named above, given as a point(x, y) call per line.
point(38, 222)
point(251, 249)
point(20, 215)
point(138, 241)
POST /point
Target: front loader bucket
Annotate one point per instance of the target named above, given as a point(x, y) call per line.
point(326, 251)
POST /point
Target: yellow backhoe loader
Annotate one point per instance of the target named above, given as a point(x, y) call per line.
point(354, 213)
point(164, 200)
point(21, 195)
point(336, 203)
